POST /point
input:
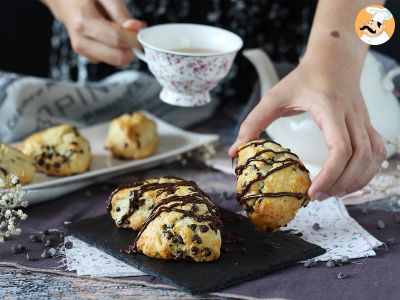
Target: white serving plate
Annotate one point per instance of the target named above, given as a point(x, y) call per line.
point(173, 142)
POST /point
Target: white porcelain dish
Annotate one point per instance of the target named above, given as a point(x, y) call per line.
point(173, 142)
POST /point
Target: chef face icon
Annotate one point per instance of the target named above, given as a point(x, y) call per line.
point(375, 25)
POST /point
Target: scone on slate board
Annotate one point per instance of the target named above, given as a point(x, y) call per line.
point(131, 205)
point(132, 136)
point(58, 151)
point(14, 162)
point(272, 183)
point(183, 224)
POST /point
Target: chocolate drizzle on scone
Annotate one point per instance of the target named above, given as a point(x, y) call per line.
point(264, 159)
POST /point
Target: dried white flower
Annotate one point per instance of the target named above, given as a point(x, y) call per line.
point(10, 215)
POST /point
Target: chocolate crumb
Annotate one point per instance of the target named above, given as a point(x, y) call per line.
point(206, 252)
point(330, 264)
point(117, 209)
point(316, 227)
point(380, 224)
point(192, 226)
point(335, 34)
point(194, 250)
point(340, 275)
point(196, 239)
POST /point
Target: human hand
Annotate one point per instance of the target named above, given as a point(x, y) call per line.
point(331, 93)
point(101, 30)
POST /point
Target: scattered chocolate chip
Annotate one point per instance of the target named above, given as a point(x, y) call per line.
point(380, 224)
point(345, 260)
point(206, 252)
point(309, 263)
point(365, 211)
point(338, 262)
point(52, 252)
point(178, 239)
point(203, 228)
point(68, 245)
point(340, 275)
point(196, 239)
point(34, 238)
point(192, 226)
point(316, 227)
point(390, 241)
point(330, 264)
point(194, 250)
point(31, 256)
point(45, 254)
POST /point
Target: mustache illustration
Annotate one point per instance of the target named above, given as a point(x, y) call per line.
point(368, 28)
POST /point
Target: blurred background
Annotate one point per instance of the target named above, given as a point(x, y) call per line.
point(25, 28)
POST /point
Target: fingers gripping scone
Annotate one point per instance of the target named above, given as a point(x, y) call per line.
point(14, 162)
point(183, 224)
point(272, 183)
point(131, 205)
point(132, 136)
point(58, 151)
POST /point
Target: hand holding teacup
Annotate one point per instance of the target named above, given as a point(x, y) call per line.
point(188, 60)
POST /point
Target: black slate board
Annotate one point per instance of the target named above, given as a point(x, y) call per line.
point(264, 254)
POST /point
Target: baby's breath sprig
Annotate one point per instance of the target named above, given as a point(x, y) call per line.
point(11, 200)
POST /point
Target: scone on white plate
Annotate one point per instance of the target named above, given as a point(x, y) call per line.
point(14, 162)
point(132, 136)
point(58, 151)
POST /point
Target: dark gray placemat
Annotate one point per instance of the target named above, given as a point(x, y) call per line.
point(258, 254)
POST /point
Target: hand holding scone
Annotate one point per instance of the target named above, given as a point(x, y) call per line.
point(272, 183)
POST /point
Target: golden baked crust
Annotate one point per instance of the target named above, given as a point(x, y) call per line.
point(176, 219)
point(131, 205)
point(58, 151)
point(272, 183)
point(14, 162)
point(132, 136)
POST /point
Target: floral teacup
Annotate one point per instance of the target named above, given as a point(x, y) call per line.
point(188, 60)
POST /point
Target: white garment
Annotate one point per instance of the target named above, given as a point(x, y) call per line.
point(375, 40)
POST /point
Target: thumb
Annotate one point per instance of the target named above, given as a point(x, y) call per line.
point(256, 122)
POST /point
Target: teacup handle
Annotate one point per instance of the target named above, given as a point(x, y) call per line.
point(140, 54)
point(388, 79)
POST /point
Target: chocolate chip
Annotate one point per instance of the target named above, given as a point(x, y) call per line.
point(345, 260)
point(178, 239)
point(52, 252)
point(316, 227)
point(31, 256)
point(34, 238)
point(365, 211)
point(117, 209)
point(309, 263)
point(192, 226)
point(203, 228)
point(194, 250)
point(338, 262)
point(196, 239)
point(330, 264)
point(340, 275)
point(45, 254)
point(390, 241)
point(380, 224)
point(194, 208)
point(68, 245)
point(168, 235)
point(206, 252)
point(164, 226)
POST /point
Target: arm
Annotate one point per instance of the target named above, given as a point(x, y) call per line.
point(326, 83)
point(101, 30)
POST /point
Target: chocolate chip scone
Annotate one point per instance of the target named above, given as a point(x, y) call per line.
point(272, 183)
point(132, 136)
point(58, 151)
point(14, 162)
point(131, 205)
point(183, 224)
